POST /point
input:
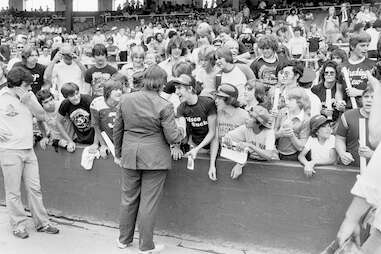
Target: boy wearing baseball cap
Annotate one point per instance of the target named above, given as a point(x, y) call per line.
point(321, 143)
point(256, 135)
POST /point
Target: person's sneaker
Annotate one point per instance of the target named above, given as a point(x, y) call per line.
point(48, 229)
point(157, 249)
point(21, 233)
point(122, 245)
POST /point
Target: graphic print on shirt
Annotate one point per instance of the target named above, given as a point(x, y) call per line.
point(81, 119)
point(10, 111)
point(267, 73)
point(98, 78)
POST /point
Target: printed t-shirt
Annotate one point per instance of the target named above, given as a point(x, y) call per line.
point(349, 128)
point(97, 76)
point(196, 117)
point(229, 120)
point(103, 115)
point(264, 70)
point(80, 117)
point(358, 77)
point(37, 73)
point(264, 140)
point(320, 153)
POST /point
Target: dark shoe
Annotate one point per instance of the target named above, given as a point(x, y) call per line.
point(21, 233)
point(48, 229)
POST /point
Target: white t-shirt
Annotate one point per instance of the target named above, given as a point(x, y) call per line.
point(264, 140)
point(315, 102)
point(374, 36)
point(208, 80)
point(44, 60)
point(63, 73)
point(292, 20)
point(297, 45)
point(320, 153)
point(236, 78)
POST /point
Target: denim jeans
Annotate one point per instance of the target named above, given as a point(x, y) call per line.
point(18, 165)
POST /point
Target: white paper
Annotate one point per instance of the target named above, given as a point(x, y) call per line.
point(233, 153)
point(362, 141)
point(276, 98)
point(328, 99)
point(347, 80)
point(109, 143)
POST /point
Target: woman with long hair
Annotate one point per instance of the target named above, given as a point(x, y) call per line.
point(331, 28)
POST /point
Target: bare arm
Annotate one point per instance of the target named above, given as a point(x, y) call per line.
point(375, 115)
point(60, 121)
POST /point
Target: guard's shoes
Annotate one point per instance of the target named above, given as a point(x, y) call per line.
point(157, 249)
point(123, 245)
point(48, 229)
point(21, 233)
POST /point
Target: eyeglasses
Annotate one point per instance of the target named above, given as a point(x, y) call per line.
point(285, 73)
point(331, 73)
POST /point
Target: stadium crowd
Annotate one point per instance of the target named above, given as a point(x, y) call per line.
point(223, 74)
point(274, 86)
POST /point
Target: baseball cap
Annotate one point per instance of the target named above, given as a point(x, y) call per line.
point(317, 121)
point(184, 80)
point(227, 90)
point(262, 115)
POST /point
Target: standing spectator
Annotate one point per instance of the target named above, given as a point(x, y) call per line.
point(347, 135)
point(121, 41)
point(265, 65)
point(292, 125)
point(206, 72)
point(103, 113)
point(65, 68)
point(345, 19)
point(134, 70)
point(29, 58)
point(98, 38)
point(144, 126)
point(374, 32)
point(44, 59)
point(331, 27)
point(17, 158)
point(298, 45)
point(76, 107)
point(229, 117)
point(199, 113)
point(365, 15)
point(321, 144)
point(100, 72)
point(357, 66)
point(231, 73)
point(292, 19)
point(176, 51)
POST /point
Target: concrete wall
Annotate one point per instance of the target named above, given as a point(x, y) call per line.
point(271, 205)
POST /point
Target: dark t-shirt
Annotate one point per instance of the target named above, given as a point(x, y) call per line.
point(314, 43)
point(349, 128)
point(96, 77)
point(196, 117)
point(357, 76)
point(37, 73)
point(80, 117)
point(320, 91)
point(264, 70)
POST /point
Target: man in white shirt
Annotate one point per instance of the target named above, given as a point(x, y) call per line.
point(297, 45)
point(121, 40)
point(17, 158)
point(374, 32)
point(98, 37)
point(64, 68)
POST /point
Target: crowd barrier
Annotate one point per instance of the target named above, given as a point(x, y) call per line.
point(272, 204)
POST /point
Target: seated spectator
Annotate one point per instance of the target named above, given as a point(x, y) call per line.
point(229, 117)
point(231, 73)
point(76, 107)
point(134, 70)
point(52, 134)
point(292, 125)
point(103, 113)
point(100, 72)
point(199, 113)
point(321, 144)
point(257, 136)
point(347, 135)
